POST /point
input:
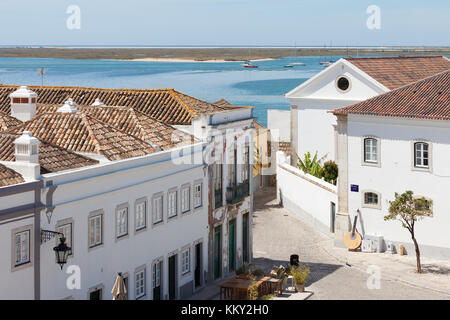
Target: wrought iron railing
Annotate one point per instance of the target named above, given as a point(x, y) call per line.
point(237, 192)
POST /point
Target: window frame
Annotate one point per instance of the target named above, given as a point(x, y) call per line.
point(365, 162)
point(184, 263)
point(92, 215)
point(169, 193)
point(196, 184)
point(182, 190)
point(119, 208)
point(138, 271)
point(414, 166)
point(370, 205)
point(155, 197)
point(136, 204)
point(27, 228)
point(337, 86)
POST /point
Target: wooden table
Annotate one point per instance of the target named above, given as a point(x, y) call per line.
point(239, 288)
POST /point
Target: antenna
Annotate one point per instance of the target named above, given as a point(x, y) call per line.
point(42, 72)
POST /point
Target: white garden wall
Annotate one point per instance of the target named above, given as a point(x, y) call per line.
point(305, 195)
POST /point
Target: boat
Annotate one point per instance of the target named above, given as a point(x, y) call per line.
point(291, 65)
point(248, 64)
point(325, 63)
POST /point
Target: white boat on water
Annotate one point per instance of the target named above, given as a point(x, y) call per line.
point(291, 65)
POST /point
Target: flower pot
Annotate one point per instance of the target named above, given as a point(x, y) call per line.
point(299, 287)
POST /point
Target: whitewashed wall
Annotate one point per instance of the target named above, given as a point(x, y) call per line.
point(104, 188)
point(396, 175)
point(305, 195)
point(279, 123)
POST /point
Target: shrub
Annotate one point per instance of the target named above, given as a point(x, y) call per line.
point(300, 274)
point(330, 172)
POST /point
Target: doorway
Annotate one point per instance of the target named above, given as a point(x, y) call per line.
point(157, 277)
point(217, 252)
point(173, 277)
point(245, 255)
point(198, 265)
point(332, 216)
point(232, 245)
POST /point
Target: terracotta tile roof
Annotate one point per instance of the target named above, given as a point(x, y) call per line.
point(80, 132)
point(51, 157)
point(395, 72)
point(126, 119)
point(165, 105)
point(9, 176)
point(427, 99)
point(7, 122)
point(226, 105)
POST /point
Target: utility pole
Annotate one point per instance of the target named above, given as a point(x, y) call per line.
point(42, 73)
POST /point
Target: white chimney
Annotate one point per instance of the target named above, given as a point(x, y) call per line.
point(23, 104)
point(69, 106)
point(98, 102)
point(26, 153)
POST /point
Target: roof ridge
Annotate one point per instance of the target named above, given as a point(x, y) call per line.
point(97, 145)
point(85, 88)
point(175, 94)
point(393, 57)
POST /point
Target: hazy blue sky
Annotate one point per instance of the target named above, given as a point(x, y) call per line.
point(224, 22)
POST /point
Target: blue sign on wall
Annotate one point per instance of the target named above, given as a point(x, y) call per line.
point(354, 188)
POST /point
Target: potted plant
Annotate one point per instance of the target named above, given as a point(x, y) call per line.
point(300, 275)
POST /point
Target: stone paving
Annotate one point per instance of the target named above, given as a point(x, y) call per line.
point(335, 272)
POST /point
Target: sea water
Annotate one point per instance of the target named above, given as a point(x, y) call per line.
point(263, 87)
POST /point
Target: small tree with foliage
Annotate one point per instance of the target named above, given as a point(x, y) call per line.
point(408, 210)
point(330, 172)
point(311, 166)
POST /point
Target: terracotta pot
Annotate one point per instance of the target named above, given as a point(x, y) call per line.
point(300, 287)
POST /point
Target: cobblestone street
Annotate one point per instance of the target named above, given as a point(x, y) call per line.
point(278, 233)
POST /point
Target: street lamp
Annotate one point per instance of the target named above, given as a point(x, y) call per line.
point(62, 252)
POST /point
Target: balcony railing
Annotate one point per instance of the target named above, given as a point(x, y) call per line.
point(238, 192)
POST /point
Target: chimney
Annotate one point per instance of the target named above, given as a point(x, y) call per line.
point(98, 102)
point(23, 104)
point(68, 107)
point(26, 152)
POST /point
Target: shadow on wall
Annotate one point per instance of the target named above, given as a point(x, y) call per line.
point(317, 270)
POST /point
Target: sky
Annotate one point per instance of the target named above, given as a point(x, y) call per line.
point(224, 22)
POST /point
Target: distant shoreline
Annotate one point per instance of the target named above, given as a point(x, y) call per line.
point(210, 54)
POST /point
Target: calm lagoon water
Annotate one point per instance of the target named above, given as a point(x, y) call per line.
point(263, 88)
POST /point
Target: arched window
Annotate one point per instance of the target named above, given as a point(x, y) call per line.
point(370, 150)
point(421, 155)
point(371, 199)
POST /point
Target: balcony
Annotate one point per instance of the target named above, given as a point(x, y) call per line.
point(238, 192)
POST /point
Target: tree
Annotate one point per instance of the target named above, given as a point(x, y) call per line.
point(330, 172)
point(408, 210)
point(311, 166)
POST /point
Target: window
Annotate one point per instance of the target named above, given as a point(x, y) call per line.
point(22, 248)
point(232, 169)
point(95, 230)
point(246, 168)
point(422, 206)
point(141, 215)
point(95, 294)
point(370, 150)
point(16, 100)
point(185, 199)
point(217, 177)
point(197, 195)
point(33, 100)
point(157, 209)
point(140, 283)
point(172, 203)
point(371, 199)
point(343, 84)
point(23, 100)
point(421, 155)
point(185, 261)
point(122, 221)
point(66, 230)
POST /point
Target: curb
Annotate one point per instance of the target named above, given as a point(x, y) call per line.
point(392, 278)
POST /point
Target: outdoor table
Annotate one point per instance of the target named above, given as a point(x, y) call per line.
point(238, 288)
